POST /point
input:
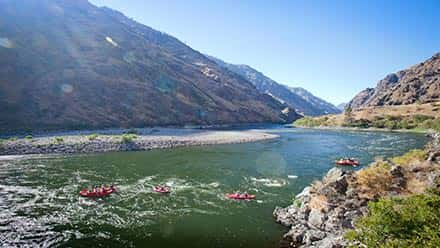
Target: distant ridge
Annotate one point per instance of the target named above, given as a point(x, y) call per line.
point(300, 99)
point(341, 106)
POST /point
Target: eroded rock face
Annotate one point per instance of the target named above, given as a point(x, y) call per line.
point(419, 83)
point(360, 99)
point(434, 147)
point(321, 216)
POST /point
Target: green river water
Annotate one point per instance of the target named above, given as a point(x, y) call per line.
point(40, 206)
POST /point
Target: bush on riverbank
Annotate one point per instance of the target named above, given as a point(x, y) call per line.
point(414, 122)
point(128, 138)
point(311, 121)
point(412, 221)
point(93, 137)
point(59, 140)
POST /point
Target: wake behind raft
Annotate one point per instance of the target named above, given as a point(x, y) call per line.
point(105, 191)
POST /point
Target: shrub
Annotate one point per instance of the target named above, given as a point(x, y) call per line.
point(297, 202)
point(436, 124)
point(59, 140)
point(361, 123)
point(421, 118)
point(93, 136)
point(28, 137)
point(12, 139)
point(378, 123)
point(312, 121)
point(375, 179)
point(128, 138)
point(406, 124)
point(432, 124)
point(413, 221)
point(410, 157)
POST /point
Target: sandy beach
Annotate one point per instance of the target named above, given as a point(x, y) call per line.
point(69, 144)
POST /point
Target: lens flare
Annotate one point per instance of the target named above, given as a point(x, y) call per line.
point(66, 88)
point(6, 43)
point(110, 40)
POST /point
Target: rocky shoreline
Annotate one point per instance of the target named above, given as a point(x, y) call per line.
point(70, 144)
point(324, 211)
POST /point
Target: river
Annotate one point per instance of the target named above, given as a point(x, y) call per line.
point(40, 205)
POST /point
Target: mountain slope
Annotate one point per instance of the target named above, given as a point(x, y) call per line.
point(67, 63)
point(417, 84)
point(317, 102)
point(300, 99)
point(341, 106)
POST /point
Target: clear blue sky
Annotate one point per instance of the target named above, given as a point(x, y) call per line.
point(332, 48)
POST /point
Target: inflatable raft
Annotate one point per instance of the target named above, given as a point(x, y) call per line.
point(163, 190)
point(105, 192)
point(240, 196)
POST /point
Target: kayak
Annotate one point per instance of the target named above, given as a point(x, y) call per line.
point(347, 162)
point(163, 190)
point(241, 196)
point(87, 193)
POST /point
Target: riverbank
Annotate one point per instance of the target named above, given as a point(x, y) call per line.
point(404, 118)
point(370, 129)
point(323, 212)
point(93, 143)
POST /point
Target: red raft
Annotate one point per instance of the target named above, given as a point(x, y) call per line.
point(238, 196)
point(163, 190)
point(105, 192)
point(347, 162)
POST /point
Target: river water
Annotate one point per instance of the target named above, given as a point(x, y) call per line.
point(40, 206)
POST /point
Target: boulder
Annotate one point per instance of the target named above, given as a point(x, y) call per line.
point(316, 218)
point(285, 216)
point(332, 175)
point(399, 180)
point(313, 235)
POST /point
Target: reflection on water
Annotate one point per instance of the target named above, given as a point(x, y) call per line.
point(40, 206)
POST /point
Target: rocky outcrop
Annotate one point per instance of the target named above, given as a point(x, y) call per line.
point(360, 99)
point(434, 147)
point(67, 64)
point(419, 83)
point(322, 212)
